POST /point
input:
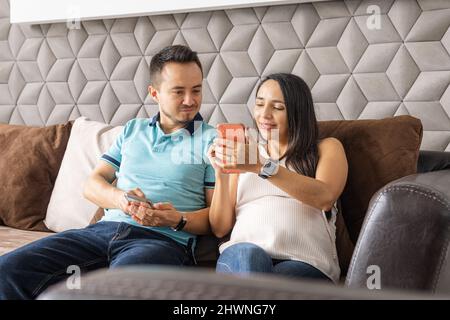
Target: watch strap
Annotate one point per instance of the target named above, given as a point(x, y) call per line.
point(180, 224)
point(263, 175)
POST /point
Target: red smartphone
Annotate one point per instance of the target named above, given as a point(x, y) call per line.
point(234, 132)
point(133, 198)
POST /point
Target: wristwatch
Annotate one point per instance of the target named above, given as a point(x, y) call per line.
point(269, 168)
point(180, 224)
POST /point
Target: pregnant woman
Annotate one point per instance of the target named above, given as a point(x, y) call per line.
point(280, 209)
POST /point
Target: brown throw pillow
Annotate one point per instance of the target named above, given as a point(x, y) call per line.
point(31, 157)
point(378, 152)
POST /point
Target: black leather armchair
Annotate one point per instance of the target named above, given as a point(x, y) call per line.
point(406, 231)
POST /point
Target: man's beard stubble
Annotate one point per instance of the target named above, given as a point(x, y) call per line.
point(175, 120)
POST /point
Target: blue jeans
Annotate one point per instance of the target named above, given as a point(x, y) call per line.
point(29, 270)
point(247, 258)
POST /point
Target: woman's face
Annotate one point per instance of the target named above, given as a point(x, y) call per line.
point(270, 112)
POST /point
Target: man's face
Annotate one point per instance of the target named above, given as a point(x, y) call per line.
point(179, 93)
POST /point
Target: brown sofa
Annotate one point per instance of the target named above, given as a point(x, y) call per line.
point(404, 234)
point(380, 214)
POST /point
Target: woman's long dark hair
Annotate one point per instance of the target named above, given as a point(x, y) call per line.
point(302, 153)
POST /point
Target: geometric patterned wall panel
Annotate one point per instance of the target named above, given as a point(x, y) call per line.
point(50, 73)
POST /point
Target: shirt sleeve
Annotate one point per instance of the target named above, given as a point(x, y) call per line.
point(210, 177)
point(114, 154)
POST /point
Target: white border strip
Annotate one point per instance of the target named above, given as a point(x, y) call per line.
point(50, 11)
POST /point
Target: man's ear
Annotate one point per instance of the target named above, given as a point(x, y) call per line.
point(153, 93)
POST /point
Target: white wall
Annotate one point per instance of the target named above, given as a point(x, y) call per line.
point(46, 11)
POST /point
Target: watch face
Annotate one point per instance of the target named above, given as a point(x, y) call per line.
point(270, 167)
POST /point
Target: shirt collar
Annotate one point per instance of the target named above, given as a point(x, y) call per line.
point(189, 127)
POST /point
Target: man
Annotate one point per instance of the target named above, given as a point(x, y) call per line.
point(145, 159)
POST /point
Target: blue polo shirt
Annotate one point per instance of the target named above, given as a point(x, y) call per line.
point(166, 167)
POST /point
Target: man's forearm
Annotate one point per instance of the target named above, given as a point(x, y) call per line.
point(101, 192)
point(197, 222)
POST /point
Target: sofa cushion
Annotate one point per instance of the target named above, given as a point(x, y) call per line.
point(68, 209)
point(378, 152)
point(11, 238)
point(31, 157)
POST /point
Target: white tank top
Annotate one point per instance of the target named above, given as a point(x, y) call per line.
point(283, 226)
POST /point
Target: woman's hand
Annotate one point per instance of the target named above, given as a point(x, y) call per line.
point(213, 160)
point(229, 154)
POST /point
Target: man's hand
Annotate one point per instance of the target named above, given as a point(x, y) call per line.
point(163, 215)
point(122, 202)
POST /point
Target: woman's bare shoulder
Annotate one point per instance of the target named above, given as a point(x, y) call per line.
point(329, 144)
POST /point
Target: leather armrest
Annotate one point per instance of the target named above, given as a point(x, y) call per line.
point(406, 234)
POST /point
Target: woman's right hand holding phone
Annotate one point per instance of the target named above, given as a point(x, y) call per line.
point(212, 156)
point(231, 156)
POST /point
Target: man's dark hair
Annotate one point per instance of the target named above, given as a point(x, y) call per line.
point(176, 53)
